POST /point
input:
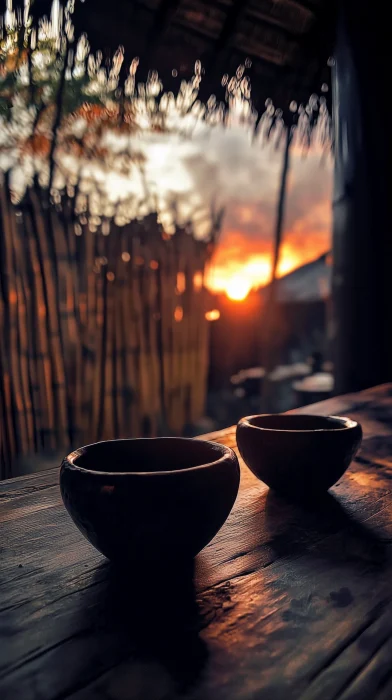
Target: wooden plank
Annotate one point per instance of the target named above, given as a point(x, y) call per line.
point(285, 602)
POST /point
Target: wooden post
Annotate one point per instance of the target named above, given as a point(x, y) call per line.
point(281, 210)
point(270, 311)
point(362, 240)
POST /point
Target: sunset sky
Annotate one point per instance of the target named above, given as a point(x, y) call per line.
point(197, 164)
point(228, 166)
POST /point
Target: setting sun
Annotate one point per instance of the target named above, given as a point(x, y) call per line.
point(238, 288)
point(239, 266)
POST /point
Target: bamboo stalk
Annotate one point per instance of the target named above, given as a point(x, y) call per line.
point(43, 395)
point(22, 291)
point(46, 242)
point(11, 326)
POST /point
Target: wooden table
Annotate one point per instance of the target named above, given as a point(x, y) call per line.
point(285, 602)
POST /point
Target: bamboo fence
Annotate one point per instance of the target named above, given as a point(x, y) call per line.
point(101, 336)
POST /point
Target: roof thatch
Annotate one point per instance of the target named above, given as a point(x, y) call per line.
point(271, 55)
point(285, 44)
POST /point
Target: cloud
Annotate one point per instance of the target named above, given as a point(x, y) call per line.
point(246, 177)
point(228, 166)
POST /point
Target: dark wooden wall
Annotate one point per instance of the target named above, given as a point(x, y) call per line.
point(362, 236)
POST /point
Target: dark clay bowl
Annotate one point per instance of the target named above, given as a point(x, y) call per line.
point(298, 455)
point(150, 499)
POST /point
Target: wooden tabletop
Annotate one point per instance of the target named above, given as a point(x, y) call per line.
point(284, 603)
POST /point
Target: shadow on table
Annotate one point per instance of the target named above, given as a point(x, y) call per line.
point(154, 615)
point(323, 528)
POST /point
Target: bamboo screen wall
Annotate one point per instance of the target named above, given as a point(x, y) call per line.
point(103, 333)
point(101, 336)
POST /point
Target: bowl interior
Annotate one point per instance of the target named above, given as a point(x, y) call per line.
point(299, 423)
point(141, 455)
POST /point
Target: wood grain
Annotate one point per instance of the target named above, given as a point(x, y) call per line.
point(285, 602)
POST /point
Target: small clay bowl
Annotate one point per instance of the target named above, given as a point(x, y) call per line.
point(298, 455)
point(150, 499)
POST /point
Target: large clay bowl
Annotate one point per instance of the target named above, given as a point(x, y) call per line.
point(298, 455)
point(150, 499)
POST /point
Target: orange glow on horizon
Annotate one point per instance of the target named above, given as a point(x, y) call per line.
point(237, 287)
point(240, 265)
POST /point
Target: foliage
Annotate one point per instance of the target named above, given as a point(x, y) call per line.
point(68, 118)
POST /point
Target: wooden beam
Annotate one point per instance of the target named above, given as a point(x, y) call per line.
point(162, 19)
point(237, 11)
point(283, 25)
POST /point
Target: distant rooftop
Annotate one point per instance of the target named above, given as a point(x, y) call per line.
point(311, 282)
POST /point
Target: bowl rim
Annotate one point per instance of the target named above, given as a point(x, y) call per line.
point(345, 422)
point(226, 452)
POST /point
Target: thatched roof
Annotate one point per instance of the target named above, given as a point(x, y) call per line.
point(287, 42)
point(282, 46)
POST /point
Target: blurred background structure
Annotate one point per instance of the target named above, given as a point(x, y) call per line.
point(115, 317)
